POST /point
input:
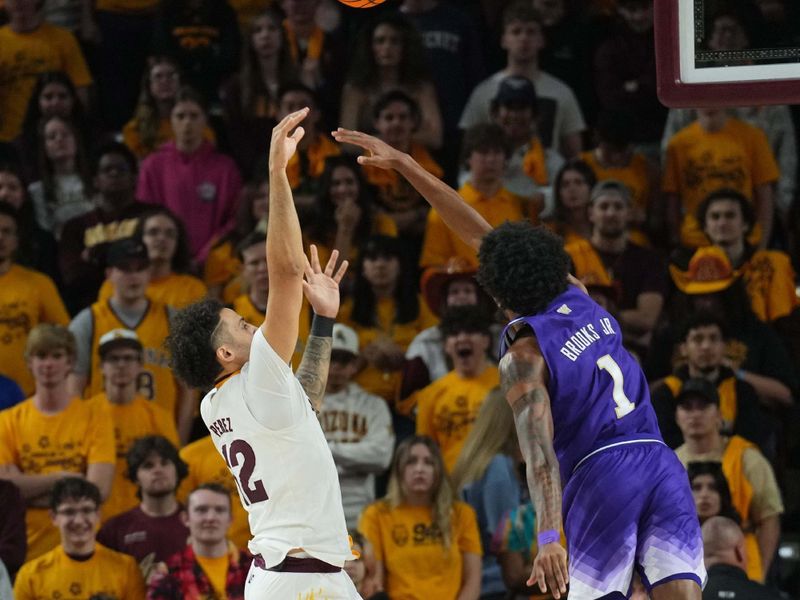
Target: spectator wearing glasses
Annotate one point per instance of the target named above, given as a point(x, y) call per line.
point(78, 566)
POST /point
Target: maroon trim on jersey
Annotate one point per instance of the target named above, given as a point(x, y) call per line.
point(292, 564)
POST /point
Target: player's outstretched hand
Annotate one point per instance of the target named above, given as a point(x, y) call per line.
point(550, 570)
point(322, 287)
point(378, 153)
point(285, 137)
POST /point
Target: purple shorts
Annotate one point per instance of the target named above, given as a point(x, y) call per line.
point(630, 506)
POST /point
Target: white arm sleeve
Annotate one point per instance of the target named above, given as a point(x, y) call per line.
point(271, 391)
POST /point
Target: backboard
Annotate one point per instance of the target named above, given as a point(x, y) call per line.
point(692, 75)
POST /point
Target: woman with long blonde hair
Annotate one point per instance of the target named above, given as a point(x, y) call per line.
point(486, 476)
point(426, 542)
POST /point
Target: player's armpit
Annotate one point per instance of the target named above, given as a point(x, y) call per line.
point(313, 370)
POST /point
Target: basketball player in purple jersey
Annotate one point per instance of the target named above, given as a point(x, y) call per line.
point(582, 410)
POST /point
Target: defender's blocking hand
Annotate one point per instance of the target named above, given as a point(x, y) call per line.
point(378, 153)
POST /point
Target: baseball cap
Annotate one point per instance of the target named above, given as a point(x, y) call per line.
point(516, 91)
point(344, 339)
point(127, 252)
point(698, 388)
point(119, 338)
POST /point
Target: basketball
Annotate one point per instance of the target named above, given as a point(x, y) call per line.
point(362, 3)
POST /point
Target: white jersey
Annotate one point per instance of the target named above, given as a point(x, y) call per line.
point(287, 480)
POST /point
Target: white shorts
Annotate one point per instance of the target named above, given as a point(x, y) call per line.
point(272, 585)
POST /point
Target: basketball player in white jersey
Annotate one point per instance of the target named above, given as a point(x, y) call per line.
point(261, 419)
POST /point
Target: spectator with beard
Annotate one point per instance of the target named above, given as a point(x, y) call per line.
point(154, 530)
point(610, 258)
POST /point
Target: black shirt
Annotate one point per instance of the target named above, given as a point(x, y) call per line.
point(727, 582)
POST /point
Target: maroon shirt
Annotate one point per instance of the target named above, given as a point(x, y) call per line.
point(139, 535)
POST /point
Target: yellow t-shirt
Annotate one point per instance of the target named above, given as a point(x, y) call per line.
point(23, 57)
point(176, 290)
point(448, 407)
point(223, 268)
point(769, 278)
point(206, 465)
point(27, 298)
point(37, 444)
point(441, 243)
point(156, 381)
point(216, 569)
point(699, 162)
point(164, 134)
point(56, 575)
point(386, 384)
point(131, 421)
point(418, 566)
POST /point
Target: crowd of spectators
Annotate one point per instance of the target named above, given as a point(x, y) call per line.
point(133, 144)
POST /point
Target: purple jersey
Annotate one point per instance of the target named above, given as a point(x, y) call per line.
point(598, 393)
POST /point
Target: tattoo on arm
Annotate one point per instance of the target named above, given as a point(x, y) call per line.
point(313, 370)
point(525, 391)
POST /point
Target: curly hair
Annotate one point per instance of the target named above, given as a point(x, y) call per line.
point(467, 318)
point(190, 343)
point(523, 266)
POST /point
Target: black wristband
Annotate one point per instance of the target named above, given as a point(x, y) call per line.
point(322, 326)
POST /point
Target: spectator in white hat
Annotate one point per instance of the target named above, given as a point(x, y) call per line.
point(134, 416)
point(357, 425)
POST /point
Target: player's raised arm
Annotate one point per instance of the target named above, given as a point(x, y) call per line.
point(285, 258)
point(523, 376)
point(322, 290)
point(457, 214)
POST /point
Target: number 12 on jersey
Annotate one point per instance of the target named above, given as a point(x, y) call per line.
point(240, 448)
point(610, 366)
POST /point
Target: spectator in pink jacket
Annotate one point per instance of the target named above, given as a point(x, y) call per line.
point(191, 178)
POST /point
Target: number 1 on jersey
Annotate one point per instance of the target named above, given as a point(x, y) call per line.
point(610, 366)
